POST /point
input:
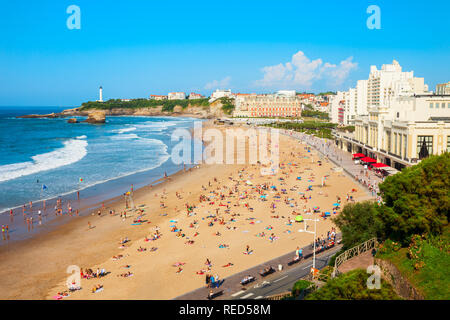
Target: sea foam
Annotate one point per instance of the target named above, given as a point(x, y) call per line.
point(73, 150)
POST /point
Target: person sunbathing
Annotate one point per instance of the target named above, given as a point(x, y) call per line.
point(125, 275)
point(141, 249)
point(229, 264)
point(96, 288)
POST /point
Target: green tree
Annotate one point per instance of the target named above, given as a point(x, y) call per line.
point(359, 222)
point(417, 200)
point(353, 286)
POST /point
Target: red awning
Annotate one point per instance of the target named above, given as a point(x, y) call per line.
point(379, 165)
point(367, 159)
point(358, 155)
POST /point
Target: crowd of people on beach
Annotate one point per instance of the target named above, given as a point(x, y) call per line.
point(264, 208)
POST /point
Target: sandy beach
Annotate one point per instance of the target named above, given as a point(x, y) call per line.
point(210, 212)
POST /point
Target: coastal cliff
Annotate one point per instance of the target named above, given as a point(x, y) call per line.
point(184, 109)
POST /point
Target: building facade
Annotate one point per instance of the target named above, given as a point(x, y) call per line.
point(270, 105)
point(194, 95)
point(158, 97)
point(443, 88)
point(412, 128)
point(176, 96)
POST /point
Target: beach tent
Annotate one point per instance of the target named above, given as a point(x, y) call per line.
point(336, 204)
point(299, 218)
point(327, 213)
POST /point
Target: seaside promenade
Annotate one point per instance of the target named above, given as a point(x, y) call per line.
point(231, 287)
point(341, 158)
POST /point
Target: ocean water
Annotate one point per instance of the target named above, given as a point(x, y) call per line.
point(45, 158)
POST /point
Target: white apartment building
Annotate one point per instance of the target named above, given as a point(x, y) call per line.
point(378, 90)
point(336, 108)
point(220, 94)
point(176, 96)
point(404, 122)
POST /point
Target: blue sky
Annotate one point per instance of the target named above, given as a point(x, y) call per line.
point(137, 48)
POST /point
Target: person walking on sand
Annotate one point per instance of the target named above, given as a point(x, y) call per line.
point(89, 225)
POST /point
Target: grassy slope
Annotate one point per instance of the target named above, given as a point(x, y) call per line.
point(432, 280)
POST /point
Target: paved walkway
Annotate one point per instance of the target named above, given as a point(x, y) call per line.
point(341, 158)
point(361, 261)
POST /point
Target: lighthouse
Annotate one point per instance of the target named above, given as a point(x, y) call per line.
point(100, 93)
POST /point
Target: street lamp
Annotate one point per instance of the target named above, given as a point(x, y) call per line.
point(315, 228)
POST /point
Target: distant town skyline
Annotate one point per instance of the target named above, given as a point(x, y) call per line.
point(140, 48)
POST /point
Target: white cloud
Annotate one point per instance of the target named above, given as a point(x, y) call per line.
point(218, 84)
point(303, 72)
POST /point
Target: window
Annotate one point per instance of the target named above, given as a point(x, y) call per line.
point(448, 143)
point(443, 105)
point(448, 104)
point(431, 105)
point(428, 142)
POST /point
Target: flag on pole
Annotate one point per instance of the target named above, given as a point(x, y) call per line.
point(44, 187)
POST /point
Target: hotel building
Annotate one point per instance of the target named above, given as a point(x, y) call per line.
point(281, 104)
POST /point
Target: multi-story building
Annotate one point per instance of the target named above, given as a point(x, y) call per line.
point(158, 97)
point(336, 108)
point(194, 95)
point(176, 96)
point(220, 94)
point(443, 88)
point(404, 122)
point(269, 105)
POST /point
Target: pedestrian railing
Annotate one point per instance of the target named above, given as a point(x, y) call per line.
point(351, 253)
point(279, 296)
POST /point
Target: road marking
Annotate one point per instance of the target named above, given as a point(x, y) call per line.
point(247, 295)
point(307, 266)
point(259, 297)
point(280, 279)
point(237, 293)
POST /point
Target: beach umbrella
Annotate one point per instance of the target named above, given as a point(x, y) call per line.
point(299, 218)
point(249, 182)
point(336, 204)
point(316, 208)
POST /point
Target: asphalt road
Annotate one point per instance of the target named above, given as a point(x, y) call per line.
point(283, 281)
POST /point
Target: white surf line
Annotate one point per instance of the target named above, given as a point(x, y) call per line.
point(237, 293)
point(259, 297)
point(280, 279)
point(247, 295)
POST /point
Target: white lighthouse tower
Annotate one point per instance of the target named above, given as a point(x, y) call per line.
point(100, 92)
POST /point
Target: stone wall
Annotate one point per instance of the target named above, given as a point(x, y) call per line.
point(401, 285)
